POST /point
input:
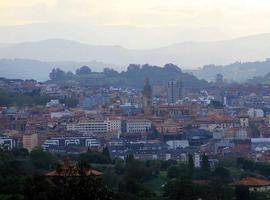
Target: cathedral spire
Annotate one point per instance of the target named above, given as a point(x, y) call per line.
point(147, 90)
point(147, 97)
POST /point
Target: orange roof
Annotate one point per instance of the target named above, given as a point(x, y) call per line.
point(249, 181)
point(90, 172)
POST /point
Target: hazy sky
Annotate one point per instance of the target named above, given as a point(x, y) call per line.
point(227, 18)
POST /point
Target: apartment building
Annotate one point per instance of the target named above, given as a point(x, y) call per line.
point(96, 126)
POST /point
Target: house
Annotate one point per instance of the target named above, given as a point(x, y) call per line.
point(72, 170)
point(254, 184)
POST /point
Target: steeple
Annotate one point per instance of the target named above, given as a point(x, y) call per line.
point(147, 97)
point(147, 90)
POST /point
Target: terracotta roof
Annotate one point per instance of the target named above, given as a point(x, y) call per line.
point(90, 172)
point(252, 182)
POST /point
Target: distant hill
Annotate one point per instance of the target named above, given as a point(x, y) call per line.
point(133, 77)
point(187, 54)
point(260, 79)
point(38, 70)
point(237, 71)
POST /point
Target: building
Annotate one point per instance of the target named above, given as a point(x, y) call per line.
point(197, 160)
point(253, 184)
point(96, 126)
point(174, 91)
point(260, 144)
point(138, 125)
point(147, 98)
point(175, 144)
point(53, 102)
point(219, 80)
point(174, 111)
point(255, 113)
point(30, 141)
point(244, 121)
point(60, 114)
point(71, 143)
point(7, 142)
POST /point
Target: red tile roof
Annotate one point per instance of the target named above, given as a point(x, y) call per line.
point(251, 182)
point(75, 172)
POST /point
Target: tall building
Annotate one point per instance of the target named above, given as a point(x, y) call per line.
point(147, 98)
point(219, 80)
point(174, 91)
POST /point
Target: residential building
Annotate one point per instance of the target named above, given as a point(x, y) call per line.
point(138, 125)
point(7, 142)
point(30, 141)
point(174, 91)
point(71, 143)
point(96, 126)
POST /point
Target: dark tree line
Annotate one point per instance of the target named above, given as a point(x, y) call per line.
point(133, 77)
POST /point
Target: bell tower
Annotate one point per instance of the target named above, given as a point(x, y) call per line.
point(147, 98)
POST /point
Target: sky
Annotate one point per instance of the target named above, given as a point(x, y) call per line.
point(132, 23)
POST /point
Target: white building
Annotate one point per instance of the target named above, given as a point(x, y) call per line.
point(96, 126)
point(255, 113)
point(7, 142)
point(175, 144)
point(53, 102)
point(197, 160)
point(60, 114)
point(138, 125)
point(260, 144)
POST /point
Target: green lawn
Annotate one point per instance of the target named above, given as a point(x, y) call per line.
point(156, 182)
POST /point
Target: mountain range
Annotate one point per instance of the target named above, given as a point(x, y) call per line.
point(65, 53)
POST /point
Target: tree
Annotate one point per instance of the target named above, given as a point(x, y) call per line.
point(83, 70)
point(182, 189)
point(110, 72)
point(106, 153)
point(216, 104)
point(42, 160)
point(68, 186)
point(222, 175)
point(119, 166)
point(205, 163)
point(242, 192)
point(254, 130)
point(70, 102)
point(190, 164)
point(165, 164)
point(37, 187)
point(94, 157)
point(57, 74)
point(129, 159)
point(173, 172)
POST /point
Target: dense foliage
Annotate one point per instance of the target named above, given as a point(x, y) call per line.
point(133, 77)
point(20, 99)
point(22, 177)
point(236, 72)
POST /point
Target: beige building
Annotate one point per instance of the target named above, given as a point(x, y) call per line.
point(30, 141)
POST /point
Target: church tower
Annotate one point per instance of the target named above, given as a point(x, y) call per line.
point(147, 98)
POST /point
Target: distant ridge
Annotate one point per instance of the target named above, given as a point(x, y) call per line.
point(238, 71)
point(187, 54)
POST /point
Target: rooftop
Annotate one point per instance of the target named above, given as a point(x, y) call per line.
point(251, 182)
